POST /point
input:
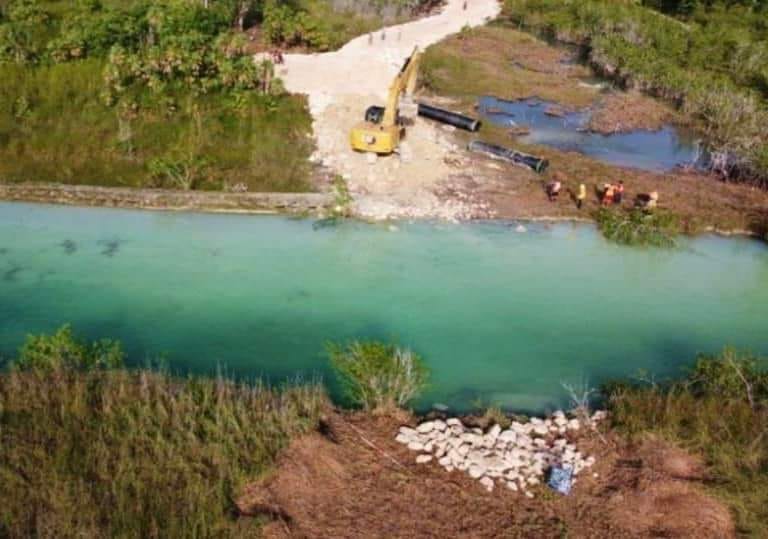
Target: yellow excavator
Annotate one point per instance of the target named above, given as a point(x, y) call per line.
point(382, 129)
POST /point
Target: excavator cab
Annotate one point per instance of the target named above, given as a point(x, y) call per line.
point(382, 129)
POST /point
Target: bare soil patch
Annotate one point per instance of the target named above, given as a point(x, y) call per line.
point(620, 112)
point(702, 201)
point(362, 484)
point(341, 85)
point(500, 61)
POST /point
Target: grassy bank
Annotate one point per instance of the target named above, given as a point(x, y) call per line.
point(65, 133)
point(719, 412)
point(89, 448)
point(164, 93)
point(713, 64)
point(498, 60)
point(144, 94)
point(93, 450)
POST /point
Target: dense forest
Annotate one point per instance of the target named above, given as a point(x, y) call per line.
point(709, 58)
point(163, 93)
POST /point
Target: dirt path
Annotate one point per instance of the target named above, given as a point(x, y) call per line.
point(342, 84)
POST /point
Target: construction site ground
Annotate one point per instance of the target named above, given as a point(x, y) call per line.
point(434, 176)
point(355, 481)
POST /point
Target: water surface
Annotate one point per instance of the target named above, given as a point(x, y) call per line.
point(657, 151)
point(500, 316)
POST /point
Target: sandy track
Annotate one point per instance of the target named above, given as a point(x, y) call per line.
point(342, 84)
point(363, 68)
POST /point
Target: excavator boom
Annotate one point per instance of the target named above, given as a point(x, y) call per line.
point(384, 137)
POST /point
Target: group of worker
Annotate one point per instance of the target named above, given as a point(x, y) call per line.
point(553, 192)
point(277, 56)
point(610, 194)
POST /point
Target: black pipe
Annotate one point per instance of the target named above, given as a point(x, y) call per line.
point(450, 118)
point(536, 163)
point(375, 114)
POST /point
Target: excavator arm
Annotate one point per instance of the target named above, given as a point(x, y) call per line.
point(384, 137)
point(404, 83)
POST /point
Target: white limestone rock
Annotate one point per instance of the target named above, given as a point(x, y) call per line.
point(487, 482)
point(476, 472)
point(427, 426)
point(416, 446)
point(423, 459)
point(403, 439)
point(508, 436)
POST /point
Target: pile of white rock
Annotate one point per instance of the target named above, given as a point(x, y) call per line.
point(517, 457)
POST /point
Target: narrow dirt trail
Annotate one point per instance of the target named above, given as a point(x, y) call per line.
point(342, 84)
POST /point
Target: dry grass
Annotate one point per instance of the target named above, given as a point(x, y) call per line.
point(137, 454)
point(626, 111)
point(498, 60)
point(720, 413)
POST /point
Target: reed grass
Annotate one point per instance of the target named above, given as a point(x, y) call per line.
point(719, 411)
point(88, 452)
point(381, 378)
point(54, 127)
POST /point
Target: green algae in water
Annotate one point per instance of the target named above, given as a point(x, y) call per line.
point(501, 317)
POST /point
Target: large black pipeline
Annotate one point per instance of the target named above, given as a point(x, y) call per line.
point(374, 114)
point(450, 118)
point(536, 163)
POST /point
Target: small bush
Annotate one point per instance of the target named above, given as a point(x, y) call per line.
point(638, 227)
point(381, 378)
point(62, 350)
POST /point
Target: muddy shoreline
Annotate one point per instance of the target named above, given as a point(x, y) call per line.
point(167, 200)
point(317, 204)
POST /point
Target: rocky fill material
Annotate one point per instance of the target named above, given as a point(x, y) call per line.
point(517, 458)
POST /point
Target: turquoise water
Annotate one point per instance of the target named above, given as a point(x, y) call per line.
point(657, 151)
point(499, 315)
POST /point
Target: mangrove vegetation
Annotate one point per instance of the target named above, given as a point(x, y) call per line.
point(708, 58)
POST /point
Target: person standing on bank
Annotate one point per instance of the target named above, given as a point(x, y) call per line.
point(618, 193)
point(581, 195)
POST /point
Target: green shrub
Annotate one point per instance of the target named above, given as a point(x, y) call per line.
point(286, 26)
point(62, 350)
point(381, 378)
point(719, 411)
point(638, 227)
